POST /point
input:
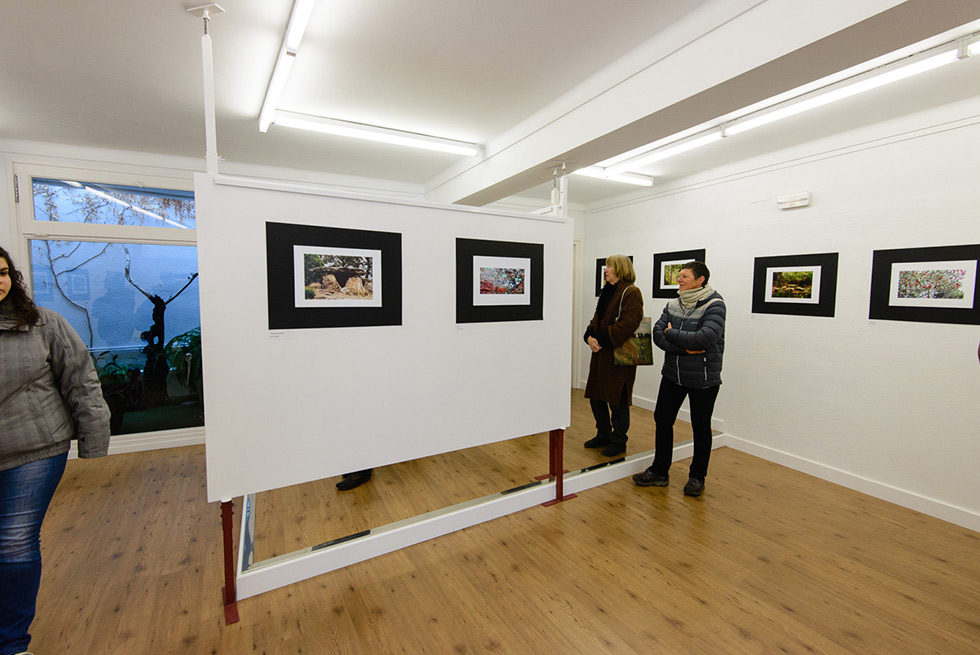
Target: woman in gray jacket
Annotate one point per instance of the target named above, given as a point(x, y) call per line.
point(691, 332)
point(49, 395)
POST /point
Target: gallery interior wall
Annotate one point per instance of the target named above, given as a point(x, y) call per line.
point(886, 407)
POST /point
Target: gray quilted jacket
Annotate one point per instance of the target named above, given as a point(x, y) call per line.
point(49, 393)
point(699, 328)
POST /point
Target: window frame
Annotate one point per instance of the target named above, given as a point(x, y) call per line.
point(27, 229)
point(30, 228)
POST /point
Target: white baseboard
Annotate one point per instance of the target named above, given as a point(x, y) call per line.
point(134, 443)
point(938, 509)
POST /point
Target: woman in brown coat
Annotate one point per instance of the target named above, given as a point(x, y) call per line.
point(610, 387)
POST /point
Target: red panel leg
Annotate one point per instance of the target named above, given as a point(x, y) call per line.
point(228, 592)
point(556, 440)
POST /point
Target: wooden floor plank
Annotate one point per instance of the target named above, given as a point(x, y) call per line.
point(768, 560)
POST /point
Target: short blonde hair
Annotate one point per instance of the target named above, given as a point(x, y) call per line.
point(622, 267)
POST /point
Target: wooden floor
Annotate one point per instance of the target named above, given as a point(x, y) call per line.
point(768, 560)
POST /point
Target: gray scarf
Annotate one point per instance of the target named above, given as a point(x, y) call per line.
point(692, 297)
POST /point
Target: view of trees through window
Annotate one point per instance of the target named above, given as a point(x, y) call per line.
point(135, 305)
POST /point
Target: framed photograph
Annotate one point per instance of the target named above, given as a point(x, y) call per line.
point(804, 285)
point(499, 281)
point(600, 274)
point(931, 285)
point(666, 267)
point(322, 277)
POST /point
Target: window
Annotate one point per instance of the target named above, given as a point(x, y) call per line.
point(119, 261)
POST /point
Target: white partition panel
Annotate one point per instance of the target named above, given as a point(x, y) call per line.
point(290, 406)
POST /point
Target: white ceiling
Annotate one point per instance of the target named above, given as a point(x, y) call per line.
point(509, 74)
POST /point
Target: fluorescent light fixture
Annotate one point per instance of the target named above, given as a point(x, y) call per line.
point(374, 133)
point(278, 82)
point(299, 18)
point(839, 93)
point(793, 102)
point(604, 174)
point(664, 153)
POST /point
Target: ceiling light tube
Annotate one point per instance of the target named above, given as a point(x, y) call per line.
point(822, 98)
point(604, 174)
point(276, 85)
point(664, 153)
point(374, 133)
point(298, 20)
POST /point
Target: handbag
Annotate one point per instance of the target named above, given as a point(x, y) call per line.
point(638, 349)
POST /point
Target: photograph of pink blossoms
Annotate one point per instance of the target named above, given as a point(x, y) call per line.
point(933, 284)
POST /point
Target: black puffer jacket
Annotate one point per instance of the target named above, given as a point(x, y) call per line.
point(699, 328)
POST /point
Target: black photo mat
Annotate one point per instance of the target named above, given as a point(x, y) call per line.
point(883, 297)
point(281, 238)
point(599, 279)
point(467, 311)
point(825, 290)
point(658, 263)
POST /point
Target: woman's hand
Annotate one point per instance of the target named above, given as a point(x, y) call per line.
point(594, 345)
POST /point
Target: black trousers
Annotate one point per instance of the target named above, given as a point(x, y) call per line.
point(615, 430)
point(669, 400)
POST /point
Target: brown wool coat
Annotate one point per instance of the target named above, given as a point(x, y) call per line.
point(606, 380)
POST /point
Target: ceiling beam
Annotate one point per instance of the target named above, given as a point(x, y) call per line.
point(527, 161)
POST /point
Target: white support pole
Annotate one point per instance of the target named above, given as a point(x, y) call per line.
point(209, 122)
point(210, 131)
point(562, 207)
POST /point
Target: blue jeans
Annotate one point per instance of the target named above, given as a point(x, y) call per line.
point(25, 493)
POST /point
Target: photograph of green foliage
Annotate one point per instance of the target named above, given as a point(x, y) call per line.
point(803, 285)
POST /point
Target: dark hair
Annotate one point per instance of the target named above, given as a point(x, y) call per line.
point(698, 269)
point(17, 299)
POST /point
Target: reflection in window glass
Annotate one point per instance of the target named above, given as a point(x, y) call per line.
point(112, 204)
point(136, 306)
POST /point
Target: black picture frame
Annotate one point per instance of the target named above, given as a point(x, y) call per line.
point(885, 294)
point(599, 280)
point(658, 263)
point(467, 311)
point(824, 280)
point(284, 314)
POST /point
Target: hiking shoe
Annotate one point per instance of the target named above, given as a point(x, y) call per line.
point(694, 487)
point(650, 479)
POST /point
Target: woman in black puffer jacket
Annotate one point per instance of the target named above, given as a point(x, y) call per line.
point(691, 332)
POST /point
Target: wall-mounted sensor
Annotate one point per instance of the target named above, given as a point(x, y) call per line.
point(793, 200)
